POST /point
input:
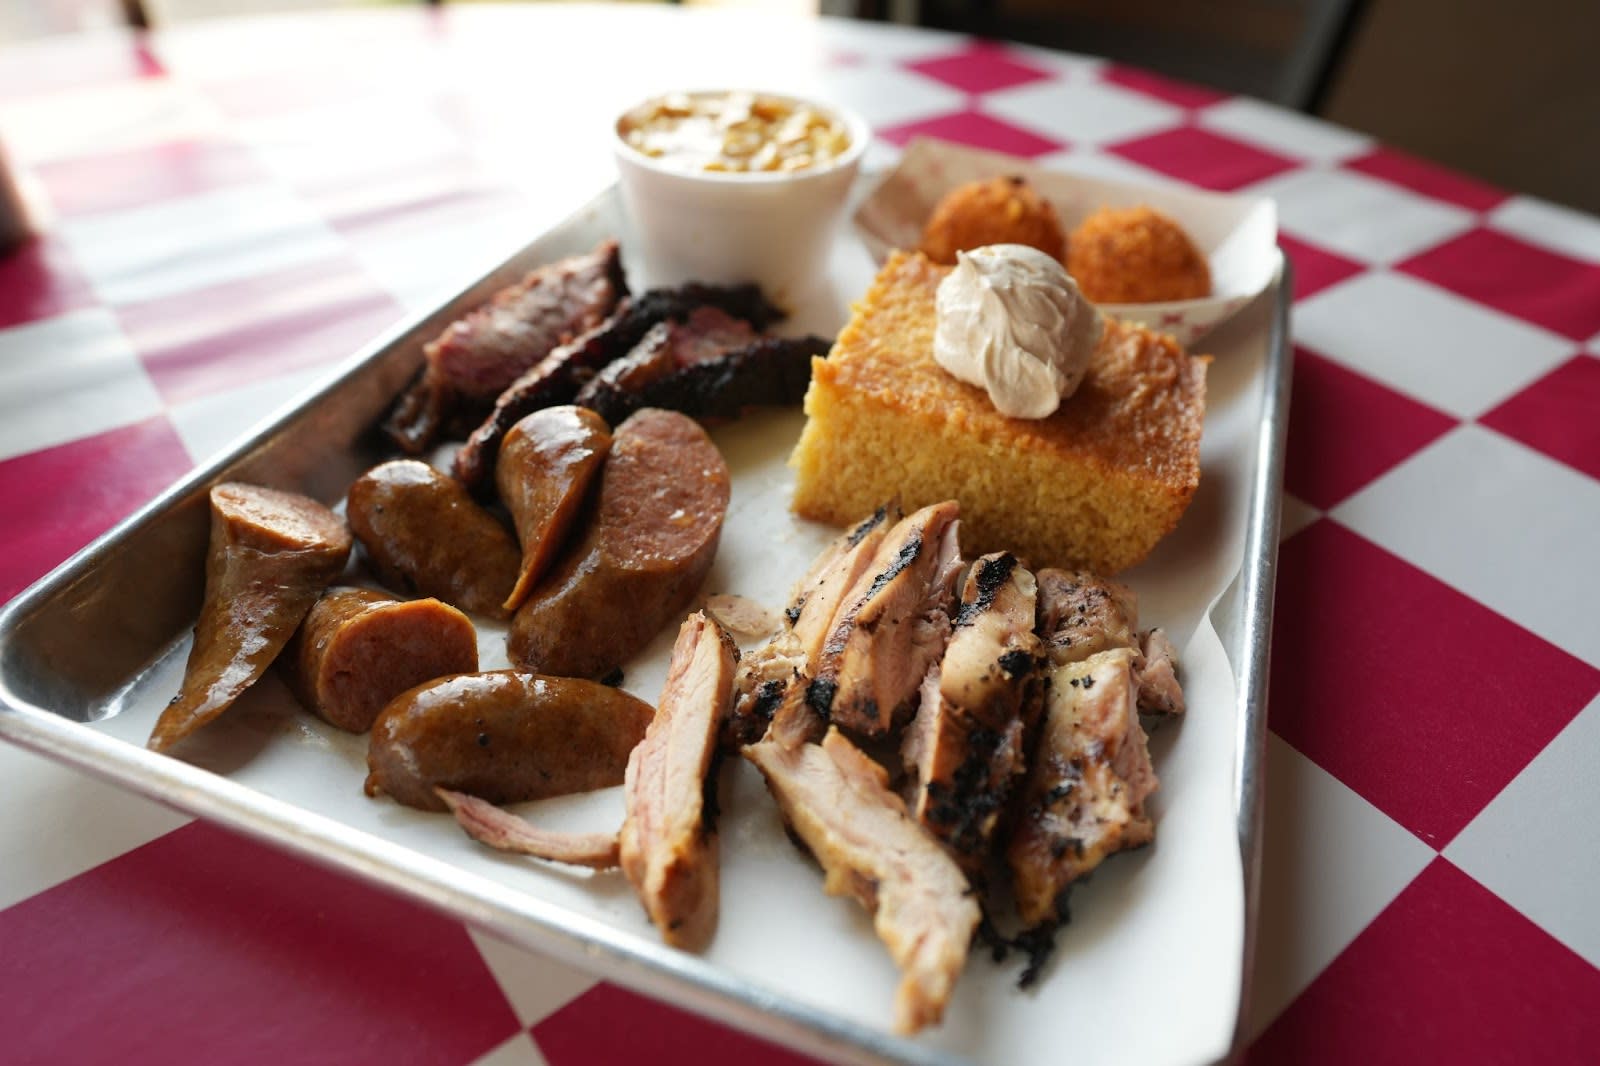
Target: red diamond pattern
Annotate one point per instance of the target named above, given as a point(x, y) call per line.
point(1522, 279)
point(1448, 973)
point(1173, 92)
point(40, 280)
point(202, 947)
point(1559, 415)
point(116, 180)
point(269, 960)
point(587, 1031)
point(1348, 430)
point(1427, 178)
point(112, 475)
point(200, 342)
point(1431, 743)
point(976, 129)
point(982, 68)
point(1204, 158)
point(1314, 268)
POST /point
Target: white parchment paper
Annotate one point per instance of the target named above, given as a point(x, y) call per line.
point(1148, 971)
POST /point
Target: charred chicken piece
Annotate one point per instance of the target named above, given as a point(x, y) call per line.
point(557, 378)
point(1085, 795)
point(964, 750)
point(776, 674)
point(479, 355)
point(837, 801)
point(891, 626)
point(669, 835)
point(271, 555)
point(1082, 614)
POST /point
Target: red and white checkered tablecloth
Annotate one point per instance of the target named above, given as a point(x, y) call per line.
point(229, 208)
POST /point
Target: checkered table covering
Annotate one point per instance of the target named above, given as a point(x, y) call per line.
point(229, 208)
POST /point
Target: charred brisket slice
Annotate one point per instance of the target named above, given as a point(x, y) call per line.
point(706, 334)
point(767, 372)
point(484, 351)
point(557, 378)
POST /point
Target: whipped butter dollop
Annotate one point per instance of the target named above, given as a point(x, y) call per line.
point(1012, 321)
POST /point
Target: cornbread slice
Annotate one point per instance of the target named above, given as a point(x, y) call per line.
point(1093, 486)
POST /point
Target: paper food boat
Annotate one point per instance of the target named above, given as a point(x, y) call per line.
point(1238, 234)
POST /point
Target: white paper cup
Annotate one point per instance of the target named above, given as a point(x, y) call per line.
point(773, 228)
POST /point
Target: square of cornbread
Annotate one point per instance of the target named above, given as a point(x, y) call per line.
point(1094, 485)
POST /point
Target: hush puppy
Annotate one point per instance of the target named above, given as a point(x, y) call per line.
point(997, 211)
point(1136, 255)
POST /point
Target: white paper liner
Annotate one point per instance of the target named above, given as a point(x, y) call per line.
point(1237, 234)
point(1148, 970)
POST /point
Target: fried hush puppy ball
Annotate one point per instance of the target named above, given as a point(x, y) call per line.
point(1136, 255)
point(1003, 210)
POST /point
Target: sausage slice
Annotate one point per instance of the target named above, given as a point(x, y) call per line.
point(663, 497)
point(425, 535)
point(547, 463)
point(359, 649)
point(503, 736)
point(271, 554)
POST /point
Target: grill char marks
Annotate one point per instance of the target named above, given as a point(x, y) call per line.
point(1081, 615)
point(1084, 798)
point(965, 748)
point(891, 625)
point(774, 681)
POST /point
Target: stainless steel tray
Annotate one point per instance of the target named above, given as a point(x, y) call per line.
point(107, 631)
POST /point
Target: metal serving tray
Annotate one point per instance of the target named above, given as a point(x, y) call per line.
point(88, 654)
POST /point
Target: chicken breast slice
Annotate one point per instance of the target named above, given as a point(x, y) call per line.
point(837, 801)
point(1085, 795)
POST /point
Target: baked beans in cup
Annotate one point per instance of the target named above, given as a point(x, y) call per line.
point(736, 185)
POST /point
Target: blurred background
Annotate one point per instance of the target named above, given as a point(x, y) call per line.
point(1427, 76)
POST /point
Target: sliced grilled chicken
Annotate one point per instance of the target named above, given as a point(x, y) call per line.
point(669, 836)
point(964, 750)
point(838, 802)
point(667, 846)
point(1159, 692)
point(1085, 794)
point(891, 626)
point(776, 674)
point(1081, 614)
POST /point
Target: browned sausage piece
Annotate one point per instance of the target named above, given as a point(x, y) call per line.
point(426, 536)
point(547, 463)
point(359, 649)
point(271, 554)
point(503, 736)
point(663, 496)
